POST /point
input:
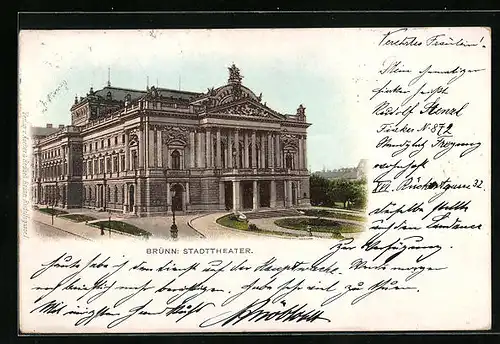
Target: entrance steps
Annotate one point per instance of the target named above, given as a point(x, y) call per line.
point(272, 213)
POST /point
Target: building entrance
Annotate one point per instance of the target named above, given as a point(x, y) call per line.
point(131, 198)
point(247, 194)
point(177, 196)
point(264, 194)
point(228, 195)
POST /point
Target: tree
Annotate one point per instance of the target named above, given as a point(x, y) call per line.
point(326, 192)
point(318, 189)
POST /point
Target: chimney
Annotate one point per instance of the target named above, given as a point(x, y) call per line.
point(61, 126)
point(49, 125)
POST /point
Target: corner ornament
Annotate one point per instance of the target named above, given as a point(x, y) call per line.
point(234, 75)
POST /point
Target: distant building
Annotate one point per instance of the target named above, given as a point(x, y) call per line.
point(349, 173)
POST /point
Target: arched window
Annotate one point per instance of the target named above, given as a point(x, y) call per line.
point(176, 160)
point(108, 192)
point(123, 194)
point(289, 161)
point(116, 194)
point(90, 193)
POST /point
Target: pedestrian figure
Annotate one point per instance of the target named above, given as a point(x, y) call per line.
point(102, 229)
point(309, 230)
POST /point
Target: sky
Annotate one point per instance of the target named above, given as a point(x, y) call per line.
point(313, 67)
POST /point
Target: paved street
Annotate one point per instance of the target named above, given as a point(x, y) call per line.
point(50, 232)
point(190, 227)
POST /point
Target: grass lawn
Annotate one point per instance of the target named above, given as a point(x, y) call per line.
point(231, 222)
point(333, 214)
point(318, 225)
point(51, 211)
point(78, 217)
point(122, 227)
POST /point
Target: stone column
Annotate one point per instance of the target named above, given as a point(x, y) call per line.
point(246, 162)
point(305, 152)
point(237, 146)
point(300, 154)
point(254, 150)
point(127, 153)
point(151, 148)
point(192, 150)
point(159, 148)
point(236, 195)
point(141, 149)
point(262, 150)
point(229, 150)
point(198, 149)
point(203, 154)
point(277, 150)
point(70, 161)
point(222, 195)
point(270, 152)
point(289, 193)
point(188, 197)
point(255, 196)
point(208, 148)
point(125, 198)
point(218, 154)
point(272, 194)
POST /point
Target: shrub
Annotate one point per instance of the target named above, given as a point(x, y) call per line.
point(253, 227)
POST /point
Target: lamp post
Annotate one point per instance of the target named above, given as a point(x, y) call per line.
point(173, 228)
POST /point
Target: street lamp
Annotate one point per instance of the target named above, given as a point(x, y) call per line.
point(173, 228)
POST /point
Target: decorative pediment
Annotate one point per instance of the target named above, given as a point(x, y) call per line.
point(133, 140)
point(247, 108)
point(177, 135)
point(289, 140)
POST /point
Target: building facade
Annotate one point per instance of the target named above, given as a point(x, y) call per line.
point(148, 152)
point(350, 173)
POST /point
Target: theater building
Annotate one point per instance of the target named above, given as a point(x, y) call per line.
point(148, 152)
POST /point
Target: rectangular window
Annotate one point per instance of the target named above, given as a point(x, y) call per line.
point(122, 163)
point(102, 143)
point(96, 145)
point(115, 164)
point(116, 140)
point(134, 160)
point(101, 166)
point(123, 139)
point(109, 142)
point(108, 165)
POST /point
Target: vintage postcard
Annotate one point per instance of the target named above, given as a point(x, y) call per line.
point(256, 180)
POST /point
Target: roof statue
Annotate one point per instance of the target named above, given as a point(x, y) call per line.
point(234, 75)
point(301, 111)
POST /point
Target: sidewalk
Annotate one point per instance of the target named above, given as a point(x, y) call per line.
point(206, 225)
point(79, 229)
